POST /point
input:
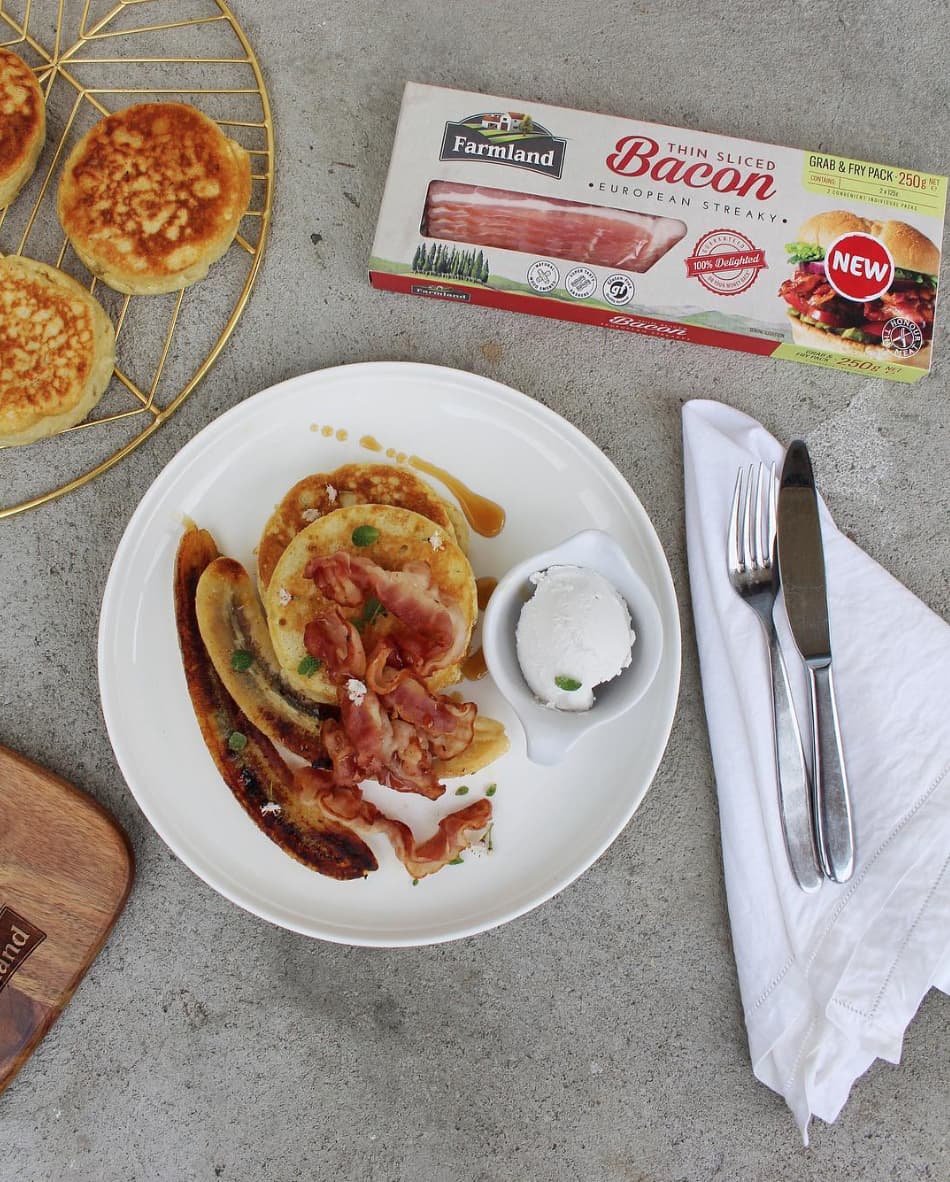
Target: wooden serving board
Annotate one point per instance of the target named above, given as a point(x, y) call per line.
point(66, 869)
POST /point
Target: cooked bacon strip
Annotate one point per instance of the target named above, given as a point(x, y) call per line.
point(382, 676)
point(336, 642)
point(335, 577)
point(254, 772)
point(387, 750)
point(447, 726)
point(341, 753)
point(345, 804)
point(433, 634)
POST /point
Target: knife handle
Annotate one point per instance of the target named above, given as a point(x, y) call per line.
point(834, 831)
point(794, 789)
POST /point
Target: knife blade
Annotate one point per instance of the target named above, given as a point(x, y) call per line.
point(802, 572)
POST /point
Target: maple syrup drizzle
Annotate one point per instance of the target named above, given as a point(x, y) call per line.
point(474, 667)
point(483, 589)
point(487, 518)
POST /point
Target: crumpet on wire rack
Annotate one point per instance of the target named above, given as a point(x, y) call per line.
point(152, 196)
point(22, 124)
point(57, 351)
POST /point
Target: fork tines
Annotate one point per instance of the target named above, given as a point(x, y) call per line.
point(752, 521)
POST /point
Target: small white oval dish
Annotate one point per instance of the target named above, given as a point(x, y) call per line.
point(550, 733)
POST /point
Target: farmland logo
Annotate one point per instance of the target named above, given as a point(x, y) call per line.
point(504, 137)
point(18, 938)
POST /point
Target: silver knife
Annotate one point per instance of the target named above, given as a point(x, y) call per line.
point(802, 571)
point(794, 784)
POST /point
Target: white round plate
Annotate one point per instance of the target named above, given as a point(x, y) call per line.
point(550, 824)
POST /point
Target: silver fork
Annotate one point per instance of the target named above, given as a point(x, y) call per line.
point(753, 573)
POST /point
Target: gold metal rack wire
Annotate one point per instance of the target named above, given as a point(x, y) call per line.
point(89, 63)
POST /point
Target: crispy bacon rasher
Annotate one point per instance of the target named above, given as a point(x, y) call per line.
point(336, 641)
point(383, 749)
point(394, 728)
point(447, 725)
point(345, 805)
point(432, 635)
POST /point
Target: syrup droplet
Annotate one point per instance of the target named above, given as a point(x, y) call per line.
point(371, 443)
point(474, 667)
point(484, 588)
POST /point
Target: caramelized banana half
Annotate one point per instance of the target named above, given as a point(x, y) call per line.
point(245, 757)
point(235, 634)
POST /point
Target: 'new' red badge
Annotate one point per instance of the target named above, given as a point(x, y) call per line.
point(859, 267)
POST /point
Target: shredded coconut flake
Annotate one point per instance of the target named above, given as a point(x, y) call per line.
point(436, 541)
point(331, 493)
point(271, 807)
point(283, 596)
point(355, 691)
point(310, 514)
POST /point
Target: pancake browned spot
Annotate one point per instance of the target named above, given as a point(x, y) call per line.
point(353, 484)
point(152, 196)
point(57, 351)
point(22, 124)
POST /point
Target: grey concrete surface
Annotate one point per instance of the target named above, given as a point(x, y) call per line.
point(599, 1037)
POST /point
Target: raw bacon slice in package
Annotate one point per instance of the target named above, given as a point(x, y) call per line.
point(549, 226)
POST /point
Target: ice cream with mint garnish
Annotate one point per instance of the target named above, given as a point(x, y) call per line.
point(573, 634)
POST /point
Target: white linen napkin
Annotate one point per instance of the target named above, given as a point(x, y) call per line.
point(829, 980)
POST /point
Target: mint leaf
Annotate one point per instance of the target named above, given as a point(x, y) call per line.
point(372, 609)
point(365, 535)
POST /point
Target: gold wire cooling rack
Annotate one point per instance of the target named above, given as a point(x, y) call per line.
point(92, 58)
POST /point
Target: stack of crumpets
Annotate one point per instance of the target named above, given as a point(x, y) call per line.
point(22, 125)
point(152, 196)
point(353, 484)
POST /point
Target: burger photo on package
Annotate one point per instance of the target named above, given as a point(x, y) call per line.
point(896, 324)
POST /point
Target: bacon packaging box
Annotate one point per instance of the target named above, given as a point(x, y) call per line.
point(657, 230)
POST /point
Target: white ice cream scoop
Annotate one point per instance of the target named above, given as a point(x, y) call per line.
point(573, 635)
point(560, 625)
